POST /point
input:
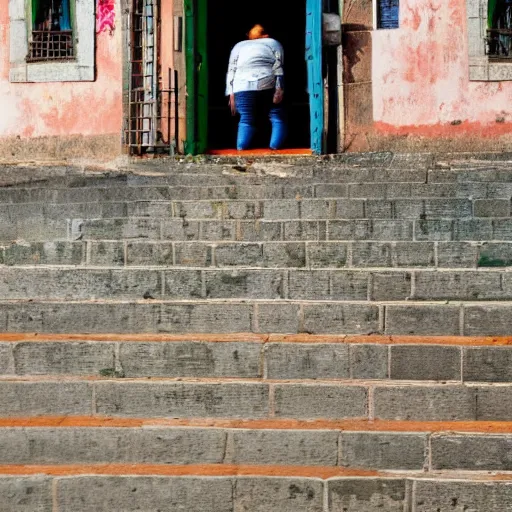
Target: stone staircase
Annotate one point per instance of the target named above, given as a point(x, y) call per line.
point(281, 336)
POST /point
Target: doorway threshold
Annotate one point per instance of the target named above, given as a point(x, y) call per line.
point(260, 152)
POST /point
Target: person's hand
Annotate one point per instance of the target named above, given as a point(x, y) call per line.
point(278, 96)
point(232, 104)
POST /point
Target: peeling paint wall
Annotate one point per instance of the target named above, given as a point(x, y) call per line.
point(59, 109)
point(421, 87)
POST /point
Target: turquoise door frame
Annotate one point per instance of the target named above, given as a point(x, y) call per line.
point(315, 75)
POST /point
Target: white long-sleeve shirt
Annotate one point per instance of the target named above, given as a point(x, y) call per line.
point(254, 65)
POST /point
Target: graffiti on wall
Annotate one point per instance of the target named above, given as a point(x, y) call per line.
point(105, 16)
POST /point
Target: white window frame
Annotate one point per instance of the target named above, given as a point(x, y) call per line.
point(80, 69)
point(481, 68)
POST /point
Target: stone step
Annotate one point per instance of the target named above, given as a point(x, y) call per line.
point(174, 446)
point(265, 189)
point(267, 209)
point(363, 358)
point(189, 284)
point(267, 254)
point(255, 399)
point(215, 230)
point(441, 318)
point(89, 489)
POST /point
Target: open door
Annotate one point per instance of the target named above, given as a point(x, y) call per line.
point(315, 76)
point(212, 29)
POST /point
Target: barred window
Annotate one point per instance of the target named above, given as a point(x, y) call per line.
point(499, 29)
point(52, 34)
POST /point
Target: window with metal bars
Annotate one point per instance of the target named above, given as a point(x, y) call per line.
point(499, 31)
point(387, 14)
point(52, 31)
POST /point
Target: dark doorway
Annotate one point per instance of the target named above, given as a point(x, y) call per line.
point(228, 23)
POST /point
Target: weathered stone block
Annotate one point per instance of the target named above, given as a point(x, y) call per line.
point(27, 494)
point(242, 254)
point(437, 230)
point(107, 254)
point(182, 400)
point(474, 229)
point(320, 401)
point(284, 447)
point(492, 208)
point(419, 319)
point(131, 494)
point(278, 495)
point(391, 230)
point(479, 496)
point(284, 254)
point(199, 209)
point(371, 254)
point(182, 284)
point(331, 190)
point(368, 361)
point(448, 208)
point(495, 255)
point(282, 209)
point(459, 286)
point(378, 209)
point(457, 254)
point(149, 253)
point(488, 364)
point(63, 358)
point(5, 358)
point(390, 286)
point(260, 230)
point(307, 361)
point(305, 230)
point(45, 398)
point(244, 284)
point(368, 450)
point(349, 209)
point(190, 359)
point(488, 320)
point(425, 403)
point(278, 318)
point(346, 230)
point(341, 318)
point(366, 495)
point(44, 253)
point(115, 229)
point(471, 453)
point(182, 230)
point(91, 445)
point(307, 284)
point(425, 362)
point(412, 254)
point(494, 403)
point(327, 254)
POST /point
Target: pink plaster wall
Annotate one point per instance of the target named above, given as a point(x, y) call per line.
point(420, 77)
point(55, 109)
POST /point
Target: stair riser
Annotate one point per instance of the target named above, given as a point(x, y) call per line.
point(387, 451)
point(274, 361)
point(256, 400)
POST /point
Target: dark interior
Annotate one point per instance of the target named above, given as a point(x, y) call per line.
point(228, 23)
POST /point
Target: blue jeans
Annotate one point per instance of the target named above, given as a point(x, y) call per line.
point(251, 105)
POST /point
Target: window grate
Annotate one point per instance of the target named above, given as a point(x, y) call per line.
point(51, 45)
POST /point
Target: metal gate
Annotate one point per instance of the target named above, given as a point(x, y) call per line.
point(151, 107)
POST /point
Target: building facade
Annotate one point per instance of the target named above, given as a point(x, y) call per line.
point(86, 78)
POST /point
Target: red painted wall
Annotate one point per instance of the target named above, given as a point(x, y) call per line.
point(55, 109)
point(420, 78)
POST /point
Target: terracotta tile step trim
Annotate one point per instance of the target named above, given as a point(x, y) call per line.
point(217, 470)
point(263, 338)
point(478, 427)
